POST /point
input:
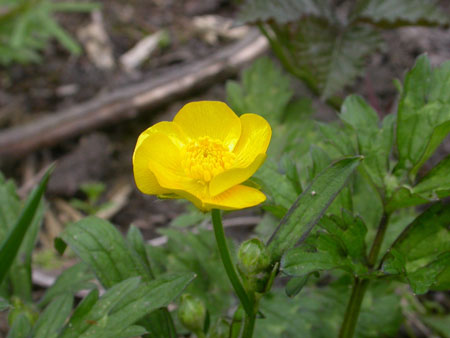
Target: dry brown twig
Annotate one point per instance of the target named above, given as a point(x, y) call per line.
point(126, 102)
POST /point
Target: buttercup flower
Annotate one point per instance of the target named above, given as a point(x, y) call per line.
point(203, 155)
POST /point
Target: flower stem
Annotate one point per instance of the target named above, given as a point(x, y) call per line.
point(247, 304)
point(249, 325)
point(360, 285)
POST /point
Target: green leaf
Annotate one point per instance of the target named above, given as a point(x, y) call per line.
point(132, 331)
point(51, 321)
point(437, 180)
point(72, 280)
point(327, 56)
point(124, 304)
point(282, 11)
point(21, 327)
point(320, 160)
point(265, 91)
point(295, 285)
point(391, 14)
point(100, 245)
point(281, 192)
point(434, 186)
point(20, 271)
point(422, 252)
point(342, 246)
point(89, 313)
point(11, 244)
point(159, 321)
point(423, 113)
point(338, 138)
point(81, 311)
point(373, 142)
point(311, 205)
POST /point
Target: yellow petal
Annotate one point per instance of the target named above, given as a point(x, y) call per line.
point(254, 140)
point(250, 154)
point(238, 197)
point(210, 118)
point(234, 176)
point(170, 129)
point(145, 180)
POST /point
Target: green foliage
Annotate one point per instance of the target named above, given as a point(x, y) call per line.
point(391, 14)
point(93, 192)
point(189, 252)
point(422, 252)
point(264, 91)
point(423, 113)
point(311, 205)
point(27, 25)
point(328, 52)
point(18, 239)
point(340, 245)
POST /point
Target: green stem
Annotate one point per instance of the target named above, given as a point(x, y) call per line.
point(249, 325)
point(247, 304)
point(360, 285)
point(354, 306)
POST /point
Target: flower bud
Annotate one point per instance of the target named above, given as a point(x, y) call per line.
point(253, 257)
point(192, 313)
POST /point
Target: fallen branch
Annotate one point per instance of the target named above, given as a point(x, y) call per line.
point(126, 102)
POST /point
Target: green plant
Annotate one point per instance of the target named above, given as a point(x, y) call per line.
point(340, 227)
point(91, 205)
point(325, 43)
point(27, 25)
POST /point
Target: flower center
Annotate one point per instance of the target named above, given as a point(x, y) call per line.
point(205, 158)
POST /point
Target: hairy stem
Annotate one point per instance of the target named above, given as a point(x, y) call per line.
point(360, 285)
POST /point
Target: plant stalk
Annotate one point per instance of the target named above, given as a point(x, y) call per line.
point(219, 233)
point(249, 325)
point(360, 285)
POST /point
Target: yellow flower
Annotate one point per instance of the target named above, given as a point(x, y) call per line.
point(203, 156)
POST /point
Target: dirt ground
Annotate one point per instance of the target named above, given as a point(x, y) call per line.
point(61, 81)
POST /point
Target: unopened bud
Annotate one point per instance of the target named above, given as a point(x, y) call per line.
point(192, 313)
point(253, 257)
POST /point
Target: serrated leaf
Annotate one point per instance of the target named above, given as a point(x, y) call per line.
point(11, 244)
point(100, 245)
point(51, 321)
point(390, 14)
point(282, 11)
point(421, 252)
point(265, 91)
point(311, 205)
point(423, 113)
point(330, 57)
point(342, 246)
point(70, 281)
point(374, 143)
